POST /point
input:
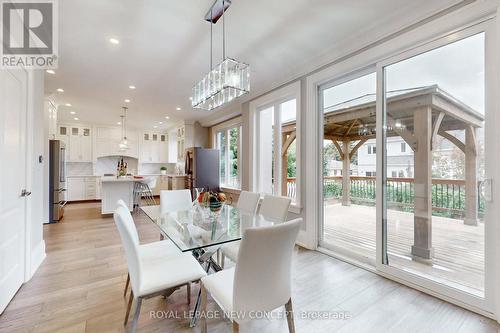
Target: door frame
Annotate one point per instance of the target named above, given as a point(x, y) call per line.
point(474, 15)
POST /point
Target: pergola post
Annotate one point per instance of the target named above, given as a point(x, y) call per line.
point(422, 229)
point(346, 174)
point(470, 176)
point(284, 167)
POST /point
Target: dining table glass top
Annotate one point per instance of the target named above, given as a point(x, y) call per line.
point(200, 228)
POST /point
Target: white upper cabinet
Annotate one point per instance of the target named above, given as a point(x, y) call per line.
point(78, 141)
point(148, 147)
point(154, 148)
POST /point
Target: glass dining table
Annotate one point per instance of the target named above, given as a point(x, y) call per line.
point(203, 232)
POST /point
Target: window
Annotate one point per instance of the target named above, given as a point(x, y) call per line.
point(394, 174)
point(228, 141)
point(278, 148)
point(403, 147)
point(372, 150)
point(275, 144)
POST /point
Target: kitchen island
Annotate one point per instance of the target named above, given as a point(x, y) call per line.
point(115, 188)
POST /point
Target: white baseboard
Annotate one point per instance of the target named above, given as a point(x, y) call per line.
point(303, 240)
point(37, 257)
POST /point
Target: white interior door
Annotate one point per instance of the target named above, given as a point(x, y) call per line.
point(13, 106)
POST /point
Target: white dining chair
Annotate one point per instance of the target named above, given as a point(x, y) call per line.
point(171, 201)
point(149, 278)
point(247, 202)
point(261, 279)
point(149, 251)
point(273, 208)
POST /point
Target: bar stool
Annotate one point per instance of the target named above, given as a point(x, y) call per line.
point(144, 190)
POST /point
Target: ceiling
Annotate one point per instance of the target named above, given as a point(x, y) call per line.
point(164, 49)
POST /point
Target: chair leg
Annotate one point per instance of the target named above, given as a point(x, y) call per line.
point(188, 292)
point(126, 285)
point(128, 307)
point(236, 327)
point(222, 259)
point(136, 314)
point(203, 318)
point(289, 316)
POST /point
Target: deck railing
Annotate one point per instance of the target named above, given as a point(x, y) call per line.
point(448, 195)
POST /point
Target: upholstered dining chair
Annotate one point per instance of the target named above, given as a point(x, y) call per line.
point(247, 202)
point(261, 279)
point(274, 208)
point(171, 201)
point(149, 251)
point(149, 278)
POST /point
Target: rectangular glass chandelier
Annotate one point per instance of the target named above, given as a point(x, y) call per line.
point(226, 81)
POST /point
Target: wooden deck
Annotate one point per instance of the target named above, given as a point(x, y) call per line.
point(458, 248)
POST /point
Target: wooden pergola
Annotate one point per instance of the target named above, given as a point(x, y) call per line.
point(418, 116)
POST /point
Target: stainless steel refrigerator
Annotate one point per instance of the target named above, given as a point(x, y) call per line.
point(57, 180)
point(202, 168)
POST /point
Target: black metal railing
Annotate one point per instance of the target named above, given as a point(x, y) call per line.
point(448, 195)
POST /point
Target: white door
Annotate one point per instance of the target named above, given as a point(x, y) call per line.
point(12, 181)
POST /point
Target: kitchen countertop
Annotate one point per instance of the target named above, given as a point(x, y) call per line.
point(106, 179)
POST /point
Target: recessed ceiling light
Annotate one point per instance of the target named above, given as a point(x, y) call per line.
point(72, 112)
point(167, 117)
point(68, 104)
point(160, 122)
point(127, 101)
point(60, 90)
point(76, 118)
point(118, 123)
point(131, 87)
point(114, 41)
point(155, 126)
point(178, 108)
point(50, 71)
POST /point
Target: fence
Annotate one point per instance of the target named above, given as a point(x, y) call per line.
point(448, 195)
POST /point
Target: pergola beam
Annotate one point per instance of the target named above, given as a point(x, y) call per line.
point(459, 144)
point(288, 142)
point(407, 136)
point(356, 147)
point(435, 127)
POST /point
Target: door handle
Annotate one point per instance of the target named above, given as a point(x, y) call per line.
point(25, 193)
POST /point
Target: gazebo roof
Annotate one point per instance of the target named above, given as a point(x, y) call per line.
point(355, 119)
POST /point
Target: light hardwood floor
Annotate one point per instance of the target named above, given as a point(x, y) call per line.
point(79, 288)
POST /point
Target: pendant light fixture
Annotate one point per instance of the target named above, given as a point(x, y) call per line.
point(227, 80)
point(123, 145)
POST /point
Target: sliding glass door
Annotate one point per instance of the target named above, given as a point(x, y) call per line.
point(349, 166)
point(406, 166)
point(434, 164)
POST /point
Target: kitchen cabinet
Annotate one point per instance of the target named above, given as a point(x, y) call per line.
point(108, 139)
point(177, 182)
point(82, 188)
point(180, 143)
point(154, 148)
point(161, 184)
point(80, 144)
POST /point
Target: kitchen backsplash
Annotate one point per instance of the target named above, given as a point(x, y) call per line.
point(108, 165)
point(154, 168)
point(79, 169)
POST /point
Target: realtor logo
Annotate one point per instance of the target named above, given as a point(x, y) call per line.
point(29, 34)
